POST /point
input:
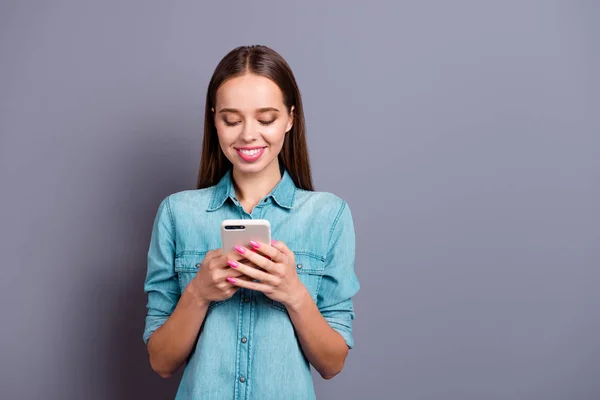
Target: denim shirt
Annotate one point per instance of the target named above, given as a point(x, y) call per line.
point(247, 347)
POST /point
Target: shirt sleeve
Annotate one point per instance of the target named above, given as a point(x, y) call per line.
point(339, 282)
point(161, 283)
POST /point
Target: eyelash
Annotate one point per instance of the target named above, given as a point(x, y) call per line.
point(264, 123)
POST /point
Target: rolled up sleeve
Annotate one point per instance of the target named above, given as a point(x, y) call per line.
point(161, 282)
point(339, 282)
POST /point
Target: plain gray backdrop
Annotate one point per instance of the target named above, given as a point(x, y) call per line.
point(464, 135)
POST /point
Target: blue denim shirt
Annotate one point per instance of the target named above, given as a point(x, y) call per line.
point(247, 347)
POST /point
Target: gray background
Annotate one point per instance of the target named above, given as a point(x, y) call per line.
point(464, 136)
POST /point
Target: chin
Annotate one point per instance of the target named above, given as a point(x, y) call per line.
point(249, 168)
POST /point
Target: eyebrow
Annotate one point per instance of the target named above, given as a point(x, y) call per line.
point(259, 110)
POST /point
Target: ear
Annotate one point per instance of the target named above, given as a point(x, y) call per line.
point(212, 109)
point(290, 120)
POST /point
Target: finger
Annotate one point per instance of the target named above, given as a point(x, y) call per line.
point(221, 261)
point(233, 254)
point(257, 259)
point(261, 287)
point(269, 252)
point(247, 262)
point(253, 272)
point(232, 274)
point(211, 255)
point(279, 245)
point(222, 275)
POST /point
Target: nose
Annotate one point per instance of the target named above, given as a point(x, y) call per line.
point(249, 132)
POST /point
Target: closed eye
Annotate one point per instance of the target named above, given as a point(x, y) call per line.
point(234, 123)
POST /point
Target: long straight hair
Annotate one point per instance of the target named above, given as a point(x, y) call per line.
point(259, 60)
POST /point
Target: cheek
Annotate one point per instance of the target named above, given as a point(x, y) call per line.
point(225, 134)
point(275, 133)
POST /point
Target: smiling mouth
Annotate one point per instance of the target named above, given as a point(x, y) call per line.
point(250, 152)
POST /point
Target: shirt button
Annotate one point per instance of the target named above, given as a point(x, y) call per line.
point(246, 300)
point(244, 340)
point(242, 379)
point(299, 266)
point(198, 265)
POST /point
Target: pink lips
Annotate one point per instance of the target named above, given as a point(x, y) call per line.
point(248, 157)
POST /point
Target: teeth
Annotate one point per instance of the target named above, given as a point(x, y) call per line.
point(251, 152)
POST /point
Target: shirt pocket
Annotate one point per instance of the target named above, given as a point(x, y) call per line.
point(187, 266)
point(310, 269)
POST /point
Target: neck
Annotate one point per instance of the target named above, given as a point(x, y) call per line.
point(250, 188)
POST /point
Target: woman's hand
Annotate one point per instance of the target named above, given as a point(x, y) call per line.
point(210, 282)
point(276, 272)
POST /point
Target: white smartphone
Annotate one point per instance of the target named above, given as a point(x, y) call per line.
point(240, 232)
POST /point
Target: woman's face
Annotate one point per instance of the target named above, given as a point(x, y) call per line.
point(251, 121)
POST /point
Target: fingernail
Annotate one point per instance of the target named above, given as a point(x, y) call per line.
point(273, 241)
point(254, 244)
point(232, 263)
point(240, 249)
point(230, 279)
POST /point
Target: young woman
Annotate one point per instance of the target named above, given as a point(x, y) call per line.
point(248, 324)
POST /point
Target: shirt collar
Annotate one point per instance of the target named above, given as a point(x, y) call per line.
point(283, 193)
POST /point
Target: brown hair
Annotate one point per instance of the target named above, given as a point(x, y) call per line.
point(259, 60)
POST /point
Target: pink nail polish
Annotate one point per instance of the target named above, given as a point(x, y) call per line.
point(254, 244)
point(232, 263)
point(273, 241)
point(240, 249)
point(230, 279)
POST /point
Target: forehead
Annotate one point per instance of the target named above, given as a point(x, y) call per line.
point(249, 92)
